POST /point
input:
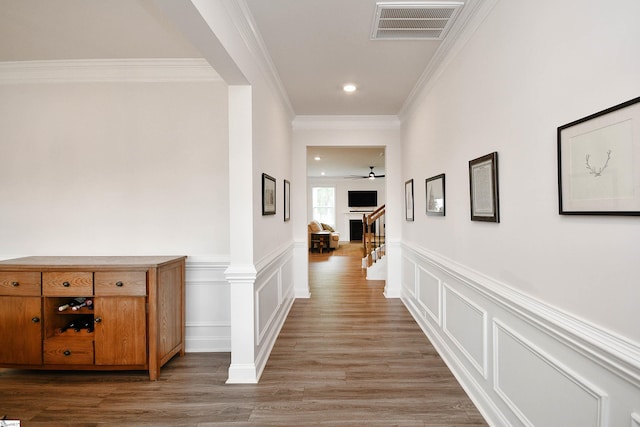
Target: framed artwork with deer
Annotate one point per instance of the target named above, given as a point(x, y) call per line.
point(599, 162)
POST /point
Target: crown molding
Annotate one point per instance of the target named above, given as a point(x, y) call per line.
point(108, 70)
point(346, 122)
point(246, 25)
point(471, 17)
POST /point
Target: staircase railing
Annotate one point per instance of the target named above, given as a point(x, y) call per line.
point(373, 231)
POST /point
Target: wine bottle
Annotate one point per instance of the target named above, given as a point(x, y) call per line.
point(79, 323)
point(85, 323)
point(71, 325)
point(87, 303)
point(74, 302)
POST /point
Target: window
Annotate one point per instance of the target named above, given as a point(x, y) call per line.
point(324, 205)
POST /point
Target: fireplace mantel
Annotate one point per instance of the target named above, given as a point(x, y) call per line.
point(356, 214)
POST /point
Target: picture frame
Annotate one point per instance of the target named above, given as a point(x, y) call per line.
point(287, 200)
point(599, 162)
point(483, 188)
point(268, 195)
point(408, 200)
point(435, 193)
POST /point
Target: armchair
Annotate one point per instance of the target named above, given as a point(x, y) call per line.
point(315, 226)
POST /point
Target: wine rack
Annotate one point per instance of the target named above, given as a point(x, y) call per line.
point(135, 319)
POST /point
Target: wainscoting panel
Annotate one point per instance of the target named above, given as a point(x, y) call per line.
point(409, 277)
point(465, 323)
point(268, 298)
point(429, 294)
point(207, 304)
point(569, 399)
point(523, 363)
point(274, 295)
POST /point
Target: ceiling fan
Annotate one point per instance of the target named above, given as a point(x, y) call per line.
point(371, 175)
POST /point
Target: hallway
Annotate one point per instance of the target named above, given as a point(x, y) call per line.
point(357, 358)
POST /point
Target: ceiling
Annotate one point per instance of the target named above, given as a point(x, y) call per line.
point(33, 30)
point(345, 162)
point(319, 45)
point(316, 46)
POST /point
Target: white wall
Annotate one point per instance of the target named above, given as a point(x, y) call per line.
point(113, 168)
point(272, 155)
point(508, 91)
point(529, 68)
point(123, 167)
point(272, 236)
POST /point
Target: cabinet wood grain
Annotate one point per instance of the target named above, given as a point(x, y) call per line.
point(135, 319)
point(19, 283)
point(20, 330)
point(67, 283)
point(120, 331)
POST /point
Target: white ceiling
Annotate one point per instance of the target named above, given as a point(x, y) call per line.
point(319, 45)
point(345, 162)
point(315, 45)
point(88, 29)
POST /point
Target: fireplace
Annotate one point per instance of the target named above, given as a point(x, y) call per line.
point(355, 229)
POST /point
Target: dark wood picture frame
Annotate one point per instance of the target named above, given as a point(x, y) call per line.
point(483, 188)
point(435, 193)
point(599, 162)
point(408, 200)
point(268, 195)
point(287, 200)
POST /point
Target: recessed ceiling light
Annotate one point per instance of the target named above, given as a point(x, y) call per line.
point(322, 173)
point(349, 87)
point(316, 158)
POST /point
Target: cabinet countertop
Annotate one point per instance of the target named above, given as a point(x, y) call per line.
point(94, 262)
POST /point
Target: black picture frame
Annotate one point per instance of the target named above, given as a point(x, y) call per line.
point(287, 200)
point(268, 195)
point(408, 200)
point(599, 162)
point(483, 188)
point(435, 195)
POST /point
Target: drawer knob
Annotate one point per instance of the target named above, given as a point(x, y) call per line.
point(67, 353)
point(35, 319)
point(98, 320)
point(66, 284)
point(119, 284)
point(15, 284)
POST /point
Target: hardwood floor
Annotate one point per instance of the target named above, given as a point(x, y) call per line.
point(345, 357)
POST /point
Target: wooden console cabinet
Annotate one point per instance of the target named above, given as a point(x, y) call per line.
point(137, 312)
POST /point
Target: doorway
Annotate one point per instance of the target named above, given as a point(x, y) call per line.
point(346, 169)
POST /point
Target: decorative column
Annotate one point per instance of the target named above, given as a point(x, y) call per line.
point(241, 273)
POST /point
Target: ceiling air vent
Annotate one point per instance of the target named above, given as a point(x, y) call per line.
point(414, 20)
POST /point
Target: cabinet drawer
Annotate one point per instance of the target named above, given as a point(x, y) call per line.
point(68, 351)
point(71, 283)
point(21, 283)
point(121, 283)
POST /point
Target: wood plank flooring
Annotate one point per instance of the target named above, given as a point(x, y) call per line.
point(345, 357)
